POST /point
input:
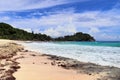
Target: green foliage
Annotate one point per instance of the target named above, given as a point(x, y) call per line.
point(8, 32)
point(76, 37)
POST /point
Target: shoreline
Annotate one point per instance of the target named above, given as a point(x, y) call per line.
point(51, 67)
point(101, 55)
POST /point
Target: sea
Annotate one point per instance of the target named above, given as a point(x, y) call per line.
point(105, 53)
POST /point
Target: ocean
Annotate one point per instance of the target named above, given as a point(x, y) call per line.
point(105, 53)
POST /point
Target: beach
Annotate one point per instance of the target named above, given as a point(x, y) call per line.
point(8, 64)
point(30, 65)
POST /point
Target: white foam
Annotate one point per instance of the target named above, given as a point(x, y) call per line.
point(96, 54)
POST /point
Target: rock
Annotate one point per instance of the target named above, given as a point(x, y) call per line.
point(9, 77)
point(32, 54)
point(24, 50)
point(1, 68)
point(53, 63)
point(15, 67)
point(45, 63)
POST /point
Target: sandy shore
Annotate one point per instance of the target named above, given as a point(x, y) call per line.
point(8, 65)
point(37, 66)
point(4, 41)
point(41, 68)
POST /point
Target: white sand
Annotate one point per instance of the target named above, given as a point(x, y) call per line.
point(33, 68)
point(3, 41)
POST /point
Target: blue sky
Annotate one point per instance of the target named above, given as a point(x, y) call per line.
point(100, 18)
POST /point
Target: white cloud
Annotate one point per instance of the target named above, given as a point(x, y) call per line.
point(60, 30)
point(13, 5)
point(94, 30)
point(69, 22)
point(36, 13)
point(5, 18)
point(106, 37)
point(52, 32)
point(28, 29)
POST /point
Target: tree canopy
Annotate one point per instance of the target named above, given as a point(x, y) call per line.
point(76, 37)
point(8, 32)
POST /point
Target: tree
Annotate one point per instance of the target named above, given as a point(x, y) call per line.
point(8, 32)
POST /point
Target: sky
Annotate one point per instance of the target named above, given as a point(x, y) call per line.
point(99, 18)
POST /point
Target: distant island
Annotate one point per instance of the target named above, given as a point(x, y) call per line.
point(9, 32)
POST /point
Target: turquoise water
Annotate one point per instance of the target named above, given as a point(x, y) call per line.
point(103, 53)
point(97, 43)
